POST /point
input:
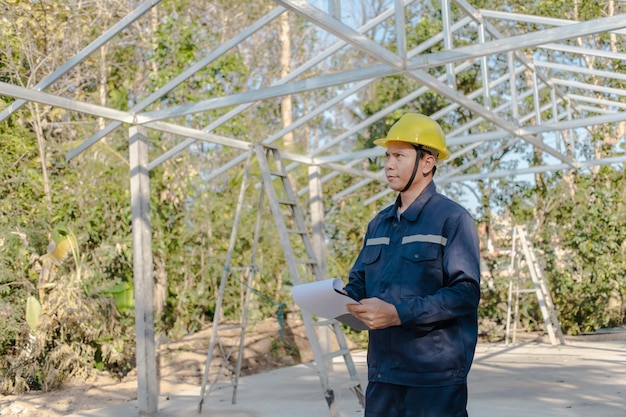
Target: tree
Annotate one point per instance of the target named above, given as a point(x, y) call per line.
point(584, 250)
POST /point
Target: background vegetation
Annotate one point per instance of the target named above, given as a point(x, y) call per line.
point(66, 283)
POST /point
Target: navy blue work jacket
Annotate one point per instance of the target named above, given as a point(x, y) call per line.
point(426, 262)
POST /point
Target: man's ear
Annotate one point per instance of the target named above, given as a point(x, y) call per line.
point(429, 162)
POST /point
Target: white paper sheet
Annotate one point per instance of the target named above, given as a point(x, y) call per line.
point(323, 299)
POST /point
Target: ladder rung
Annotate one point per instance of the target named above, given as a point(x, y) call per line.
point(297, 231)
point(306, 261)
point(287, 203)
point(325, 322)
point(337, 353)
point(278, 174)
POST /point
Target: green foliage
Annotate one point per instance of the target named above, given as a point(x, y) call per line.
point(20, 184)
point(33, 313)
point(87, 315)
point(581, 246)
point(585, 248)
point(62, 328)
point(14, 287)
point(123, 294)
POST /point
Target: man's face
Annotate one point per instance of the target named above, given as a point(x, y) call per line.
point(399, 164)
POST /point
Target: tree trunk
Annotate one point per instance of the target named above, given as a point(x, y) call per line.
point(285, 69)
point(41, 145)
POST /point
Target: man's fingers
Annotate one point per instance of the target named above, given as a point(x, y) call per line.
point(354, 308)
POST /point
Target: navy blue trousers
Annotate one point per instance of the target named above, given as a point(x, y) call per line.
point(389, 400)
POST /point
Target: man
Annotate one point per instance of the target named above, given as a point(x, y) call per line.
point(417, 278)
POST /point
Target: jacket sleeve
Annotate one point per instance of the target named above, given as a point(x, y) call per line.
point(460, 293)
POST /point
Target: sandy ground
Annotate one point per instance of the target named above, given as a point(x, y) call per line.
point(584, 378)
point(181, 367)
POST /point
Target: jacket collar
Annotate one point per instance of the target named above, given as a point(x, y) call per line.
point(416, 206)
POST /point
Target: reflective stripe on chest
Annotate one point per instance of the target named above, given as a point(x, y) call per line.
point(408, 239)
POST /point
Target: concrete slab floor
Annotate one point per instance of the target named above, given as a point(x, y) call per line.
point(584, 378)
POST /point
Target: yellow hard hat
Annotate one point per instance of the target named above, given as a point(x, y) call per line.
point(417, 129)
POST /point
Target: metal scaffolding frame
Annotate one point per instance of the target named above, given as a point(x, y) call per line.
point(584, 108)
point(573, 105)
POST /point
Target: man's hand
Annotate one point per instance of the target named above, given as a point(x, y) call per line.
point(375, 313)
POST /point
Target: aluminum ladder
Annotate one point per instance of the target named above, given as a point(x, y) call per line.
point(523, 253)
point(302, 267)
point(249, 272)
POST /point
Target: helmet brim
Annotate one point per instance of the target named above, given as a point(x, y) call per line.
point(384, 142)
point(381, 142)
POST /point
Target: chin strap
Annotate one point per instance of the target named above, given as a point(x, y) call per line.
point(417, 161)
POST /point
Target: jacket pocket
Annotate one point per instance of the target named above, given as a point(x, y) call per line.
point(371, 254)
point(420, 251)
point(370, 257)
point(422, 270)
